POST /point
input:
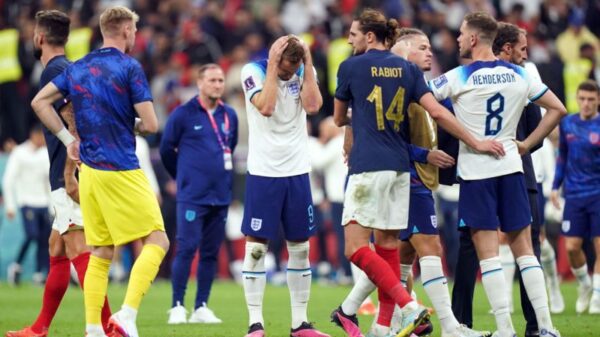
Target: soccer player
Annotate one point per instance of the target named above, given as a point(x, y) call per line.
point(578, 167)
point(279, 92)
point(488, 97)
point(421, 236)
point(108, 90)
point(67, 242)
point(377, 196)
point(196, 148)
point(509, 45)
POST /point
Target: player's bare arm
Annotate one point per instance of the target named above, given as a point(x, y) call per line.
point(340, 113)
point(446, 119)
point(265, 100)
point(348, 141)
point(310, 94)
point(71, 183)
point(555, 110)
point(42, 105)
point(148, 123)
point(440, 159)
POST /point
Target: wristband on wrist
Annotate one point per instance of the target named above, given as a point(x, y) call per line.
point(65, 136)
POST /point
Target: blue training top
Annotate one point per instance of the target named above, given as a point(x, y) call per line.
point(192, 154)
point(578, 162)
point(104, 86)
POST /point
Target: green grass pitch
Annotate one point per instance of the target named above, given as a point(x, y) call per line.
point(20, 305)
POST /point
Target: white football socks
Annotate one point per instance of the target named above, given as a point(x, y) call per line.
point(548, 259)
point(582, 275)
point(533, 279)
point(254, 280)
point(363, 287)
point(494, 284)
point(436, 287)
point(299, 278)
point(508, 267)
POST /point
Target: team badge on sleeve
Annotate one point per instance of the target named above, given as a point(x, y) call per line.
point(249, 83)
point(440, 81)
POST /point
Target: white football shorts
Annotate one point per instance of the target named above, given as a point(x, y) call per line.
point(67, 213)
point(378, 200)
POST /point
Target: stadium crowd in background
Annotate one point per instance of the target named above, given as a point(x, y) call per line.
point(176, 37)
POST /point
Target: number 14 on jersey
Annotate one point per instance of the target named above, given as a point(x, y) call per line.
point(393, 113)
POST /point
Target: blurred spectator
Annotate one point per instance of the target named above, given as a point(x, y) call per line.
point(27, 189)
point(329, 160)
point(569, 41)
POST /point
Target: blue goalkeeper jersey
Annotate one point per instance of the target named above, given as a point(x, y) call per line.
point(578, 162)
point(104, 86)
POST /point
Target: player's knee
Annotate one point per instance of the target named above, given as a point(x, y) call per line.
point(256, 250)
point(158, 238)
point(298, 250)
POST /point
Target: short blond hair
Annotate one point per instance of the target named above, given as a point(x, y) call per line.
point(112, 19)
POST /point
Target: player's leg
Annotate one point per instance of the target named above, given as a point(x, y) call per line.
point(213, 233)
point(595, 301)
point(575, 228)
point(531, 328)
point(429, 249)
point(464, 280)
point(408, 254)
point(189, 227)
point(299, 223)
point(336, 217)
point(43, 230)
point(263, 204)
point(594, 216)
point(380, 200)
point(54, 289)
point(548, 261)
point(478, 209)
point(508, 267)
point(15, 268)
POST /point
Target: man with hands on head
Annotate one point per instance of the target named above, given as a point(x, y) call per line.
point(279, 92)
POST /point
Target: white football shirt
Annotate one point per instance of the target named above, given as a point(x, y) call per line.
point(488, 98)
point(277, 145)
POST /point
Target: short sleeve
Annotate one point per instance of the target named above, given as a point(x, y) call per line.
point(342, 92)
point(253, 78)
point(62, 83)
point(301, 73)
point(442, 86)
point(138, 84)
point(47, 75)
point(420, 87)
point(536, 88)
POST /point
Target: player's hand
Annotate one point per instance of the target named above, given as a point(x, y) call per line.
point(10, 214)
point(73, 152)
point(440, 159)
point(491, 147)
point(403, 48)
point(307, 55)
point(521, 147)
point(72, 187)
point(277, 49)
point(555, 199)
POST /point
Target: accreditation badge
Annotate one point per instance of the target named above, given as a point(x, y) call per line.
point(227, 159)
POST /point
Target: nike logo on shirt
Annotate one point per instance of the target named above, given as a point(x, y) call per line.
point(197, 127)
